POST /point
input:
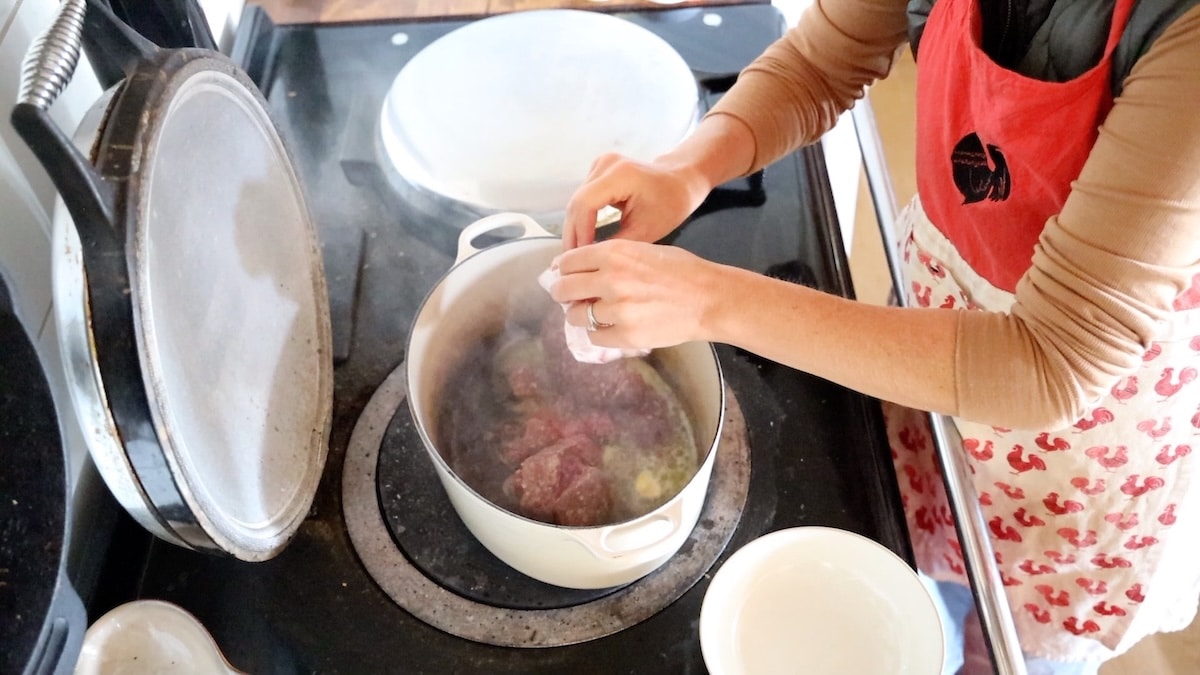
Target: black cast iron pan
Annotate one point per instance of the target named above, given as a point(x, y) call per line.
point(188, 289)
point(42, 620)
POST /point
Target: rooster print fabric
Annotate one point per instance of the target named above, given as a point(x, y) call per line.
point(1088, 522)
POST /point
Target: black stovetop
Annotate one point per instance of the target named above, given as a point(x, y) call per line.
point(820, 455)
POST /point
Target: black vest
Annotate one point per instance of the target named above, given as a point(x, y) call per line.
point(1057, 40)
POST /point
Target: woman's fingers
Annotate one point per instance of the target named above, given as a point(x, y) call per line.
point(651, 294)
point(575, 230)
point(577, 287)
point(583, 259)
point(603, 163)
point(603, 187)
point(580, 280)
point(604, 312)
point(579, 225)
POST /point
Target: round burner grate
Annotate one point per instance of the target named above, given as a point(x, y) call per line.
point(409, 538)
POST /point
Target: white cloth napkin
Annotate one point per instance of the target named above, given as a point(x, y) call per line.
point(578, 340)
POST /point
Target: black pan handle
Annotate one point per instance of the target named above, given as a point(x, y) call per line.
point(61, 638)
point(112, 46)
point(48, 68)
point(174, 24)
point(88, 198)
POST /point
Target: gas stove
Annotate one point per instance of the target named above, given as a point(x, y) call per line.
point(382, 577)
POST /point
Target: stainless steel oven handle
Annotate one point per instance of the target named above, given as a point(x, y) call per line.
point(51, 59)
point(994, 613)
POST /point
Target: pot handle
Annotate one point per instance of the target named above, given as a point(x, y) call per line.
point(645, 539)
point(470, 233)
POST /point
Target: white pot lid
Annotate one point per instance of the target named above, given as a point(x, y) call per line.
point(509, 112)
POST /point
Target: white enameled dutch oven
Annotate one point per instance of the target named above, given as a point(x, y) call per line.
point(470, 302)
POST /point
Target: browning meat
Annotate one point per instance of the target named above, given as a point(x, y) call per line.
point(563, 484)
point(543, 435)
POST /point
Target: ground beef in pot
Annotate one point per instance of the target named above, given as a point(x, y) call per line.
point(563, 483)
point(538, 433)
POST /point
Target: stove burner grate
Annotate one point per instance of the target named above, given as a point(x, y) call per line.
point(443, 576)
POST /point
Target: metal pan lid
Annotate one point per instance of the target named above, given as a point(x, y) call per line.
point(229, 306)
point(206, 306)
point(509, 112)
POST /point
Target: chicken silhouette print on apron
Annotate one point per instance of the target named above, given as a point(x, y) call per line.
point(1080, 518)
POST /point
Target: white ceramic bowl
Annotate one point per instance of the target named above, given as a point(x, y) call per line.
point(148, 637)
point(817, 601)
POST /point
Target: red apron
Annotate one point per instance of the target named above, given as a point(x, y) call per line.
point(1096, 527)
point(997, 151)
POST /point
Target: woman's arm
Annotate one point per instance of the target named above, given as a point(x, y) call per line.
point(656, 296)
point(1104, 278)
point(790, 95)
point(901, 355)
point(795, 91)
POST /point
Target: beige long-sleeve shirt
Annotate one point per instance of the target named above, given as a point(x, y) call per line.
point(1107, 269)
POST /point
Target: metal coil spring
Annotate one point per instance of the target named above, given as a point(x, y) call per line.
point(52, 58)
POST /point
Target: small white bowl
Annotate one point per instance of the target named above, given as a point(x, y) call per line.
point(817, 601)
point(149, 637)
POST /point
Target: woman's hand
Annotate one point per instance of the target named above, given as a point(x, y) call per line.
point(650, 295)
point(654, 198)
